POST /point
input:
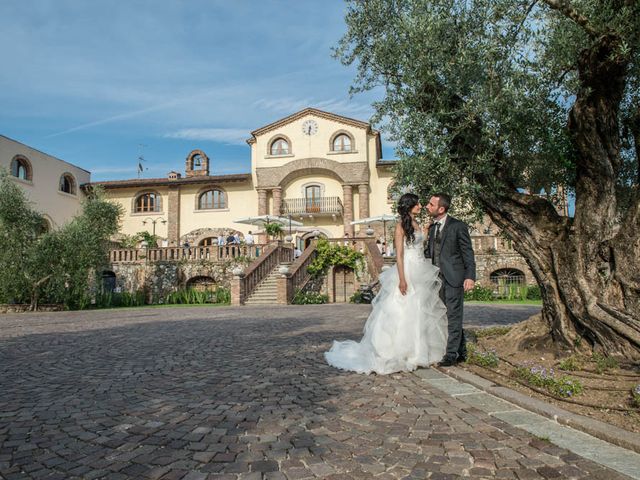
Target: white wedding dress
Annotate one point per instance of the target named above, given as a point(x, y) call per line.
point(403, 332)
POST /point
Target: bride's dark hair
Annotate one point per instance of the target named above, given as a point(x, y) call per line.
point(405, 205)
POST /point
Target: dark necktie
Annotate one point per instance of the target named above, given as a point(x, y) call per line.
point(436, 237)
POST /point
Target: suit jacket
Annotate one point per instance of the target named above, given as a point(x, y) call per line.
point(457, 261)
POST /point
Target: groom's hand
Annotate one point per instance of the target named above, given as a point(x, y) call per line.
point(468, 284)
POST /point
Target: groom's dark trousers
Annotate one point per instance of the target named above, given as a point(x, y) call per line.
point(453, 254)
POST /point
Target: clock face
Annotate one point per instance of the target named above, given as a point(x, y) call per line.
point(309, 127)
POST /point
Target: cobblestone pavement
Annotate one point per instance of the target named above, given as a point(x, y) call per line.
point(238, 393)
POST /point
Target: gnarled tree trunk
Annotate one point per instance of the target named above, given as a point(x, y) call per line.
point(588, 267)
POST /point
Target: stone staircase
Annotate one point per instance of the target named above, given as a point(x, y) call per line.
point(266, 293)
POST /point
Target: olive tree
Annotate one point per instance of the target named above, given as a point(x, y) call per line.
point(53, 266)
point(498, 101)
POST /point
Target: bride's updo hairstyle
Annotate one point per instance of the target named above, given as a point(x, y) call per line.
point(405, 205)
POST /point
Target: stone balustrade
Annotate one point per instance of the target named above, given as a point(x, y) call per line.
point(212, 253)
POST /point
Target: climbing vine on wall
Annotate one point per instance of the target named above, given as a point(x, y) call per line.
point(333, 254)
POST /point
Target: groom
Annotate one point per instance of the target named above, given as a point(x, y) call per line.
point(449, 248)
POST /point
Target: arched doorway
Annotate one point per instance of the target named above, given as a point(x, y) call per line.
point(505, 280)
point(308, 237)
point(108, 281)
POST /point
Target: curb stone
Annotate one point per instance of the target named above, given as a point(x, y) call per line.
point(596, 428)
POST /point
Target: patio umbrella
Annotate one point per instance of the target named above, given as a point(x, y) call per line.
point(262, 220)
point(386, 218)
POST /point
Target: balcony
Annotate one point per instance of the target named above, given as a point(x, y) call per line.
point(313, 206)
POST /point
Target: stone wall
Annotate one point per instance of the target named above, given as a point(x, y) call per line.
point(159, 279)
point(489, 263)
point(22, 307)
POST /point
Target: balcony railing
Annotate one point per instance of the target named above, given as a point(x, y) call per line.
point(313, 206)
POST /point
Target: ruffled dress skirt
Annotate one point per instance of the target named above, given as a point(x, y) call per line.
point(403, 332)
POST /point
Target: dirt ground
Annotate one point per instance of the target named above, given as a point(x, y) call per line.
point(607, 389)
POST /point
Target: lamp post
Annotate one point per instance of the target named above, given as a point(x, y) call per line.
point(289, 238)
point(153, 222)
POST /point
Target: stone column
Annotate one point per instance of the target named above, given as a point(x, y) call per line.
point(284, 287)
point(363, 206)
point(262, 201)
point(347, 199)
point(237, 290)
point(277, 200)
point(173, 213)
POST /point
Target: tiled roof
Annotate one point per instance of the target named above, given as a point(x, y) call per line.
point(157, 182)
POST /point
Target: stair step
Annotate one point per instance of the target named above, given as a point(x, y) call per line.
point(266, 292)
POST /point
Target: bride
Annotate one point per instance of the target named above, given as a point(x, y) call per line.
point(407, 327)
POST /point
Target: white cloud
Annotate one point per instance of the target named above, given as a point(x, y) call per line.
point(229, 136)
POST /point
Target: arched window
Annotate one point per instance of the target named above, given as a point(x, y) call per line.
point(202, 284)
point(342, 143)
point(147, 202)
point(197, 161)
point(507, 282)
point(20, 168)
point(67, 184)
point(212, 199)
point(507, 275)
point(279, 147)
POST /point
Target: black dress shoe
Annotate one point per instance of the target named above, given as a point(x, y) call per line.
point(461, 358)
point(447, 362)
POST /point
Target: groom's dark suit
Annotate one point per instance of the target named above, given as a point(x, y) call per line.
point(454, 256)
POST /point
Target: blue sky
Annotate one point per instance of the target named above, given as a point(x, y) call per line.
point(91, 81)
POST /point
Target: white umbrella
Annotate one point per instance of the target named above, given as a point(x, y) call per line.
point(379, 218)
point(262, 220)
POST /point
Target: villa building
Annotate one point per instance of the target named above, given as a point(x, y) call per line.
point(320, 170)
point(52, 185)
point(317, 168)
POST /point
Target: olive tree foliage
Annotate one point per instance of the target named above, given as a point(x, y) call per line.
point(492, 99)
point(51, 266)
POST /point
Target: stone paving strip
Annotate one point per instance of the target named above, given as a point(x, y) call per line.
point(580, 443)
point(243, 394)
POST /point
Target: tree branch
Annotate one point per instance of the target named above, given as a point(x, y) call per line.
point(565, 7)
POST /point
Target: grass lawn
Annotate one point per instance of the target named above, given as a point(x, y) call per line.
point(167, 305)
point(505, 302)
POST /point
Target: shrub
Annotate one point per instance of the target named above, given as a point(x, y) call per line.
point(189, 296)
point(479, 293)
point(492, 332)
point(570, 364)
point(273, 229)
point(309, 298)
point(222, 296)
point(539, 376)
point(604, 363)
point(364, 295)
point(484, 359)
point(534, 293)
point(192, 296)
point(120, 299)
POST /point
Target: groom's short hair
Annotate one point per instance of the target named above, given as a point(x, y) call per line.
point(444, 200)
